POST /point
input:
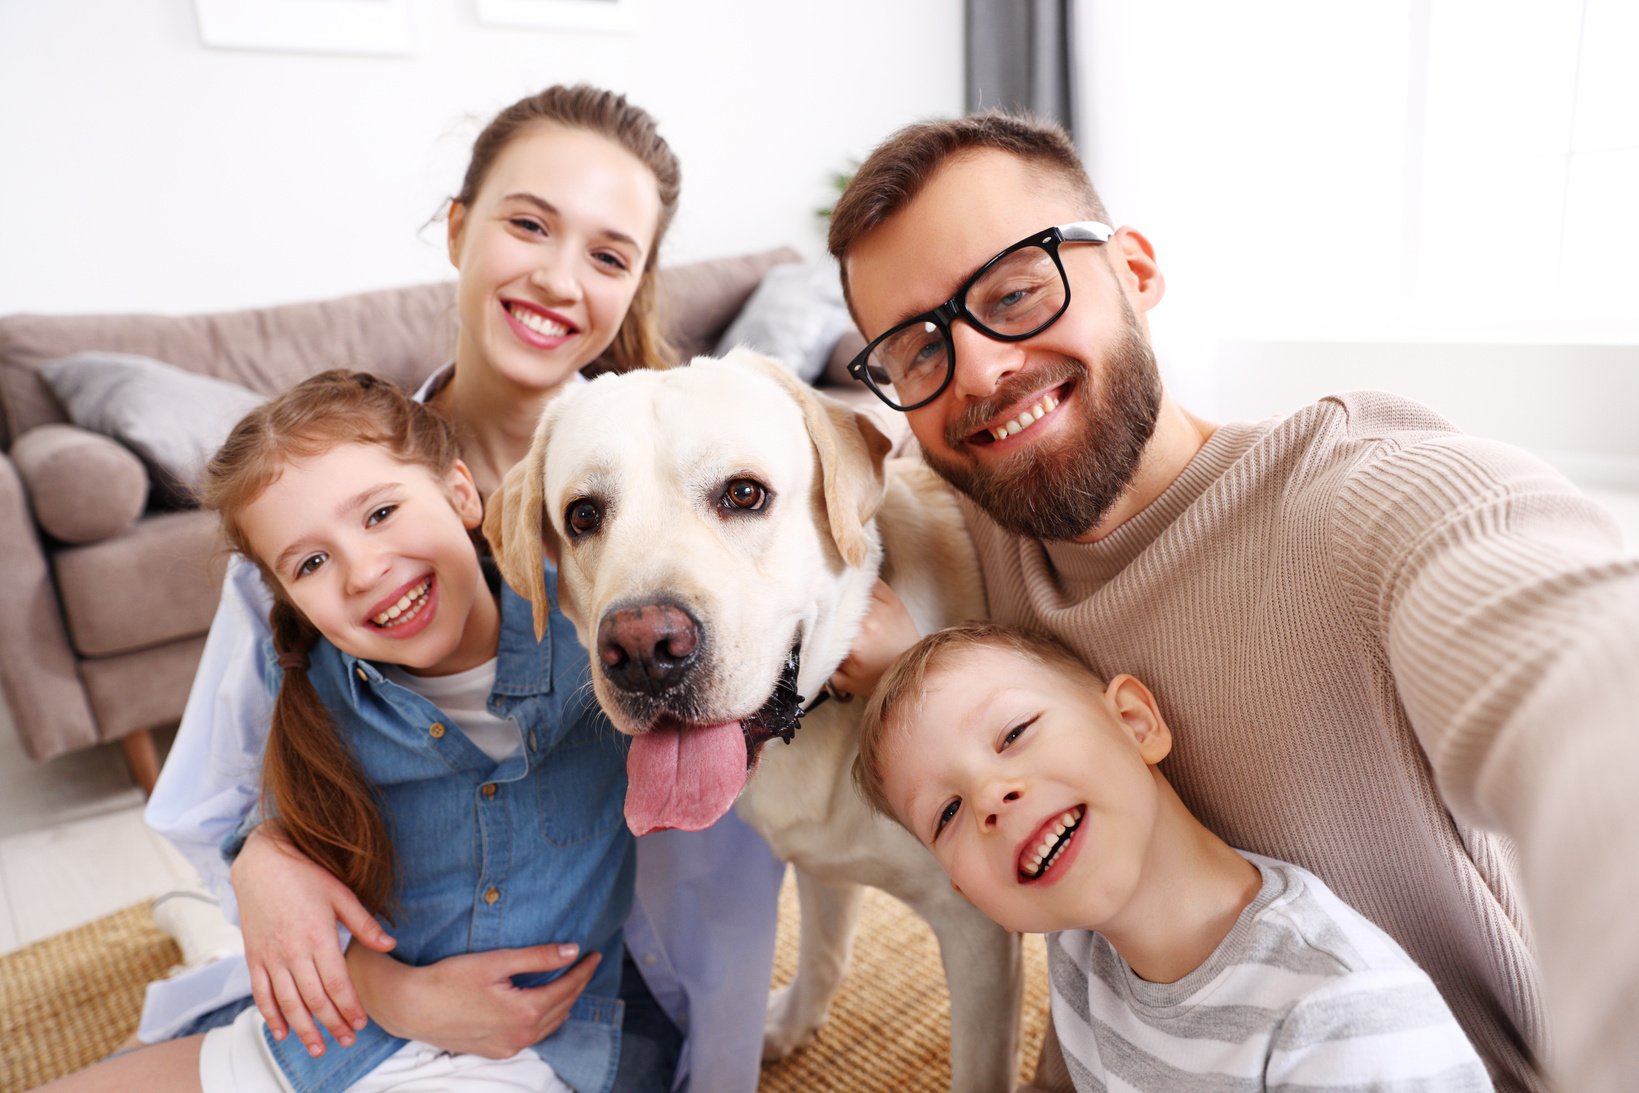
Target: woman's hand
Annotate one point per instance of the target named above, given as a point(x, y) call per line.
point(468, 1003)
point(887, 631)
point(288, 910)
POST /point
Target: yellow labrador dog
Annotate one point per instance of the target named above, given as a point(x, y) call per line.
point(717, 530)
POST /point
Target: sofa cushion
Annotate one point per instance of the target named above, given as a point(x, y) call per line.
point(700, 299)
point(173, 419)
point(81, 486)
point(157, 582)
point(141, 690)
point(795, 315)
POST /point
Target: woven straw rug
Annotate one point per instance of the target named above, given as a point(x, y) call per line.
point(67, 1001)
point(71, 999)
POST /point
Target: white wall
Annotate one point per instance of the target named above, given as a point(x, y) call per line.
point(145, 172)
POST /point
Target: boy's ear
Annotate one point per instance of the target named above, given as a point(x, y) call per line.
point(1135, 706)
point(464, 495)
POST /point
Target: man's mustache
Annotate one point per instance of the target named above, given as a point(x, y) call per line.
point(1015, 387)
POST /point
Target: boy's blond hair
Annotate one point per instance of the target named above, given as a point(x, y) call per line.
point(899, 694)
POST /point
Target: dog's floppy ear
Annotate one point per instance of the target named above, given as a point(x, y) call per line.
point(520, 534)
point(851, 453)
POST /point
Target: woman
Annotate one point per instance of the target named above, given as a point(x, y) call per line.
point(554, 234)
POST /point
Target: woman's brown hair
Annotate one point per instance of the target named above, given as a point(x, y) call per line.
point(311, 784)
point(639, 343)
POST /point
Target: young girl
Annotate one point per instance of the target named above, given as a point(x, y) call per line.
point(554, 233)
point(453, 772)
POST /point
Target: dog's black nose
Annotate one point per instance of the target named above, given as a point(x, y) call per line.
point(647, 649)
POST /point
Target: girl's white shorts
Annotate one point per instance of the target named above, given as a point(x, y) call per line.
point(236, 1057)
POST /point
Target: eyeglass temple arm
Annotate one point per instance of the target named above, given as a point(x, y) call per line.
point(1086, 231)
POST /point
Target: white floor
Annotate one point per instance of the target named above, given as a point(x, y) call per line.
point(73, 846)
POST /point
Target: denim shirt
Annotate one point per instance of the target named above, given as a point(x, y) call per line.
point(527, 851)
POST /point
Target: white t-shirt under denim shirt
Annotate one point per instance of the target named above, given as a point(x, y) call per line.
point(463, 697)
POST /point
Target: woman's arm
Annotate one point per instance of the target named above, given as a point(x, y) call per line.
point(290, 908)
point(468, 1003)
point(211, 776)
point(287, 906)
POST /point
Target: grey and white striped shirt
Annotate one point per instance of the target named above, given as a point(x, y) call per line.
point(1304, 993)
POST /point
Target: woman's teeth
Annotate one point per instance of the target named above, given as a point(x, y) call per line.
point(1057, 838)
point(407, 608)
point(540, 324)
point(1019, 424)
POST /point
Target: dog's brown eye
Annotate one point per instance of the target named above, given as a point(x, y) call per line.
point(582, 516)
point(745, 494)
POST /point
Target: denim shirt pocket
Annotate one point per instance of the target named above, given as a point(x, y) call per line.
point(581, 783)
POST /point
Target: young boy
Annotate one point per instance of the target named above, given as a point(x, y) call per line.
point(1176, 961)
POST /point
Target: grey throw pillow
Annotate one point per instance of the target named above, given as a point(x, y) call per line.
point(796, 314)
point(173, 419)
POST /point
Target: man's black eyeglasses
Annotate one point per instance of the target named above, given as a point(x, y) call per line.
point(1016, 295)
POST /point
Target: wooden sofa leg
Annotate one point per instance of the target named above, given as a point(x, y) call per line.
point(141, 759)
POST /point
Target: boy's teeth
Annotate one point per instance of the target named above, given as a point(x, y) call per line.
point(411, 599)
point(540, 324)
point(1038, 860)
point(1019, 424)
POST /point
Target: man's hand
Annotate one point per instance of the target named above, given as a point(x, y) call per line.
point(468, 1003)
point(887, 631)
point(288, 910)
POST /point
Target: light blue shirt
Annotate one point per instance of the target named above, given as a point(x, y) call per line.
point(702, 923)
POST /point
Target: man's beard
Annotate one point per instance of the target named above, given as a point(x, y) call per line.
point(1063, 491)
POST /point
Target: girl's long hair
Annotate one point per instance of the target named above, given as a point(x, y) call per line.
point(311, 783)
point(639, 343)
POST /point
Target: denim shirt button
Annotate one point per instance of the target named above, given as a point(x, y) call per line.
point(363, 678)
point(489, 789)
point(533, 746)
point(491, 894)
point(437, 730)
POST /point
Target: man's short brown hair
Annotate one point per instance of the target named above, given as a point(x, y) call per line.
point(899, 694)
point(900, 166)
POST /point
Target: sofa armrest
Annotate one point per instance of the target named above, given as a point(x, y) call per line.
point(38, 676)
point(82, 487)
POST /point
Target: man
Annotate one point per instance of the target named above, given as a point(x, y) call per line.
point(1392, 653)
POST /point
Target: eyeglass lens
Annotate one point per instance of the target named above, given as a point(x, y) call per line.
point(1017, 295)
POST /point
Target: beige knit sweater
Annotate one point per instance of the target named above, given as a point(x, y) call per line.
point(1372, 637)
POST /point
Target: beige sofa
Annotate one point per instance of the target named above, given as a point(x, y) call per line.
point(105, 594)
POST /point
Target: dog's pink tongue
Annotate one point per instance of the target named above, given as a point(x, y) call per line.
point(684, 778)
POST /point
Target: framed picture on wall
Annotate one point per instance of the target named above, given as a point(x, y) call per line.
point(307, 26)
point(608, 15)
